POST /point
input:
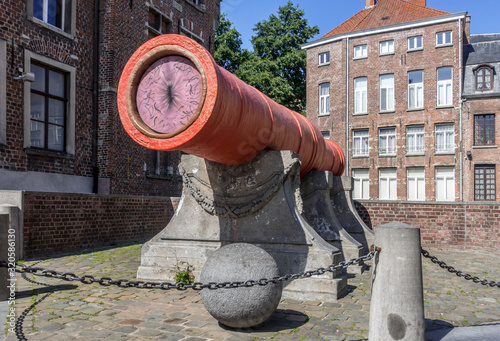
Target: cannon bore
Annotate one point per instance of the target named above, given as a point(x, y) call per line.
point(173, 96)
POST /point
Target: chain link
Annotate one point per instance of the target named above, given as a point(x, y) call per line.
point(459, 273)
point(124, 283)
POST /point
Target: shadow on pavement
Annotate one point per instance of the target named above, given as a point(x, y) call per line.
point(280, 320)
point(40, 291)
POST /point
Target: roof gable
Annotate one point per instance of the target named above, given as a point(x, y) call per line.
point(385, 13)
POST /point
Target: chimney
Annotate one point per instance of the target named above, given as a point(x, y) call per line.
point(370, 3)
point(417, 2)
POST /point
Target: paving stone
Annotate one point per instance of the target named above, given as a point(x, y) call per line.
point(170, 337)
point(95, 334)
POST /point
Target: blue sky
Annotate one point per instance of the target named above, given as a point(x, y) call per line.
point(327, 14)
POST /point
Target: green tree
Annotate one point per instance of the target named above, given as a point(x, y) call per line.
point(228, 53)
point(277, 65)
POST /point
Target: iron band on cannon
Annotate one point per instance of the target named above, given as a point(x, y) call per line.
point(255, 172)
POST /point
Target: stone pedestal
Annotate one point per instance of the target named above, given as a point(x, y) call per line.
point(257, 203)
point(319, 213)
point(343, 206)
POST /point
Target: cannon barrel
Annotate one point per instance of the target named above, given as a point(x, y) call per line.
point(173, 96)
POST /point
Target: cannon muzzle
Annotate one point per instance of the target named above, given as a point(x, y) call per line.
point(173, 96)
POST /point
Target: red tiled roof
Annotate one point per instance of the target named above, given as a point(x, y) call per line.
point(396, 11)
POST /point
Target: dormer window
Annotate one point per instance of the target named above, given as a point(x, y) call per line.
point(484, 78)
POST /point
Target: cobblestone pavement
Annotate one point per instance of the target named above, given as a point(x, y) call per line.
point(73, 311)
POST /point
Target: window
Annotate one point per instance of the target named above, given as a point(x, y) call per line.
point(56, 13)
point(445, 138)
point(49, 108)
point(387, 47)
point(415, 89)
point(415, 43)
point(387, 93)
point(324, 98)
point(444, 86)
point(49, 100)
point(360, 51)
point(416, 183)
point(415, 140)
point(484, 130)
point(324, 58)
point(326, 134)
point(443, 38)
point(360, 95)
point(387, 141)
point(484, 78)
point(361, 188)
point(484, 182)
point(387, 187)
point(445, 184)
point(360, 142)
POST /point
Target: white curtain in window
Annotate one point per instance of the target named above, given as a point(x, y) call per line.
point(360, 88)
point(386, 92)
point(416, 184)
point(445, 184)
point(387, 184)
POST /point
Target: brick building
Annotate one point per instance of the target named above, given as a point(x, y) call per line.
point(388, 85)
point(60, 63)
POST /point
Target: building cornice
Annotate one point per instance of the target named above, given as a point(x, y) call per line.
point(385, 29)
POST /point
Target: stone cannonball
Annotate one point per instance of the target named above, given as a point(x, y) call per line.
point(246, 306)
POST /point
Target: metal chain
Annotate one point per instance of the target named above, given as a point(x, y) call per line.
point(20, 320)
point(459, 273)
point(124, 283)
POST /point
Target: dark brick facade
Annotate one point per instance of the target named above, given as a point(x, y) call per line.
point(56, 223)
point(123, 166)
point(23, 34)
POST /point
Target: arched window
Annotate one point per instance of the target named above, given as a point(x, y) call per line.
point(484, 78)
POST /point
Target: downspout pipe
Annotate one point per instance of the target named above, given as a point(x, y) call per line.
point(460, 42)
point(347, 155)
point(95, 100)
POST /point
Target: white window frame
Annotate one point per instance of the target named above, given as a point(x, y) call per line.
point(361, 189)
point(324, 99)
point(417, 42)
point(415, 140)
point(70, 126)
point(415, 182)
point(324, 58)
point(387, 178)
point(360, 95)
point(445, 183)
point(386, 47)
point(443, 36)
point(360, 51)
point(387, 141)
point(445, 138)
point(444, 88)
point(418, 91)
point(69, 14)
point(3, 91)
point(360, 137)
point(387, 92)
point(326, 134)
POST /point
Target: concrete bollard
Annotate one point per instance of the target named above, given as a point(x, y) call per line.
point(397, 303)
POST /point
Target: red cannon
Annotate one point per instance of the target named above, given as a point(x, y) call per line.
point(173, 96)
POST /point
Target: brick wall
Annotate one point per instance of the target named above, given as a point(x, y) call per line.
point(56, 223)
point(459, 225)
